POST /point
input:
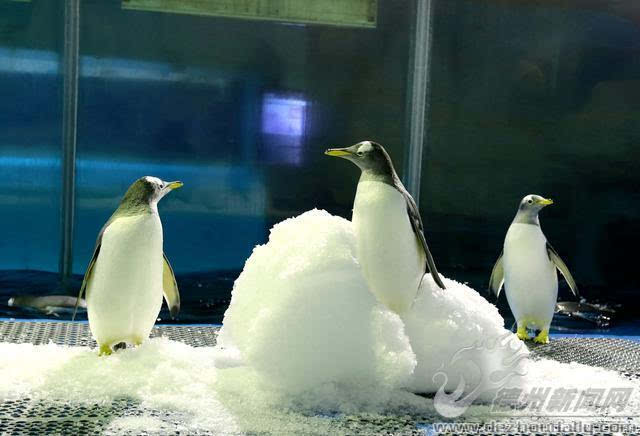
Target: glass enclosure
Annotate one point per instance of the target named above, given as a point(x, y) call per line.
point(30, 134)
point(240, 110)
point(536, 97)
point(520, 97)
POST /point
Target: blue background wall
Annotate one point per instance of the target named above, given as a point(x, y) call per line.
point(241, 111)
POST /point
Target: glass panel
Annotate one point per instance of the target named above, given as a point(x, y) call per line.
point(30, 135)
point(541, 99)
point(241, 111)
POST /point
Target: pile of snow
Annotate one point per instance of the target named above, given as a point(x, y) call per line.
point(302, 316)
point(182, 388)
point(160, 375)
point(304, 344)
point(457, 334)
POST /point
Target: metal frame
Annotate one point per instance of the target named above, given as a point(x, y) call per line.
point(418, 91)
point(70, 63)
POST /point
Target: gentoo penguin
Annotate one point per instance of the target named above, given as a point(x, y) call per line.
point(527, 268)
point(129, 273)
point(391, 246)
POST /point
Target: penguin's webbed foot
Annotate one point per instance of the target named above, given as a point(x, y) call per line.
point(105, 350)
point(543, 337)
point(522, 333)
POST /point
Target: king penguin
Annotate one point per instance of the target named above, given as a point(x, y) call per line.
point(129, 273)
point(390, 242)
point(527, 269)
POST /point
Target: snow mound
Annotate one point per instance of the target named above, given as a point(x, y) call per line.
point(302, 316)
point(457, 334)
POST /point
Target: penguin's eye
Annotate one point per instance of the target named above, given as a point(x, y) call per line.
point(529, 201)
point(360, 153)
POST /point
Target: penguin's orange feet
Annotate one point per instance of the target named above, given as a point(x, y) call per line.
point(105, 350)
point(522, 333)
point(543, 337)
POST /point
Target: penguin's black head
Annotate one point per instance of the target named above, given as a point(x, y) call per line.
point(367, 155)
point(534, 203)
point(147, 191)
point(529, 208)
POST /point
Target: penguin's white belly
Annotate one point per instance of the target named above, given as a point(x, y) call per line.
point(530, 278)
point(124, 296)
point(389, 253)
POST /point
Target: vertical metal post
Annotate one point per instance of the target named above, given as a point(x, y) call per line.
point(69, 66)
point(418, 93)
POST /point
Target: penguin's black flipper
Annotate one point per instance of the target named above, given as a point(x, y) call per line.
point(416, 223)
point(170, 288)
point(497, 277)
point(564, 270)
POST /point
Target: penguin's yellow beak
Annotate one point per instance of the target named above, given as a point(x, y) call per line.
point(339, 152)
point(174, 185)
point(545, 201)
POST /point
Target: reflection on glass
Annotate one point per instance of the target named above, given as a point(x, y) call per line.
point(283, 127)
point(29, 159)
point(240, 110)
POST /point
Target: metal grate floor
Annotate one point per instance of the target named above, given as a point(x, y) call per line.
point(31, 417)
point(78, 333)
point(622, 355)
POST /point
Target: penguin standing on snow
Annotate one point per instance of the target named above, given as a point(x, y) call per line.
point(129, 272)
point(527, 268)
point(391, 246)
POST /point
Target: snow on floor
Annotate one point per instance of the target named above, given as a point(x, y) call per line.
point(304, 341)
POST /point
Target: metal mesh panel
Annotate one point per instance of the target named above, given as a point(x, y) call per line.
point(36, 417)
point(621, 355)
point(78, 334)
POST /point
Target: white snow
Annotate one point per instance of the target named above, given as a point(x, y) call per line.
point(303, 296)
point(160, 374)
point(301, 314)
point(303, 339)
point(457, 333)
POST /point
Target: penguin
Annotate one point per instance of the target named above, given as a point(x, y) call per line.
point(527, 269)
point(129, 273)
point(390, 243)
